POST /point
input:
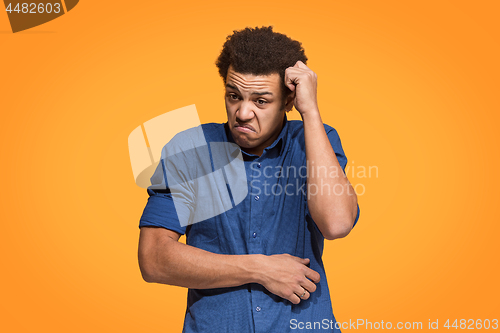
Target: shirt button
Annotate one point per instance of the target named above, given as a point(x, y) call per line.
point(258, 165)
point(256, 198)
point(257, 309)
point(254, 234)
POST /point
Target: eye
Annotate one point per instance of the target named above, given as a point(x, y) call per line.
point(233, 97)
point(261, 100)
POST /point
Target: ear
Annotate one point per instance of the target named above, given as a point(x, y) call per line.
point(289, 101)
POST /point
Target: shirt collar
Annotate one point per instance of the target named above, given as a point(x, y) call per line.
point(280, 143)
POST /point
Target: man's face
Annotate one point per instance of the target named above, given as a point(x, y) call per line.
point(254, 113)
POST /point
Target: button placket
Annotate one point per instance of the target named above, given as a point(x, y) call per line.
point(256, 207)
point(254, 244)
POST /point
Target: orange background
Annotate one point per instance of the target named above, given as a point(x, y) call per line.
point(412, 88)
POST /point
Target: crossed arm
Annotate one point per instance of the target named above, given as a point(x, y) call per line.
point(163, 259)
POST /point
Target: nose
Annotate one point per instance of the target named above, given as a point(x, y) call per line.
point(245, 112)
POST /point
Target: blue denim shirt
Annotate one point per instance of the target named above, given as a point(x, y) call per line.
point(273, 218)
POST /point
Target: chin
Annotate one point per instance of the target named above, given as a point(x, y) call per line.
point(242, 141)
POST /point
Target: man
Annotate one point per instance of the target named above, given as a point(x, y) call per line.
point(257, 267)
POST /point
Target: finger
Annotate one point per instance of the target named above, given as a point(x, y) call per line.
point(308, 285)
point(306, 295)
point(308, 262)
point(292, 75)
point(313, 275)
point(294, 299)
point(290, 82)
point(304, 261)
point(304, 292)
point(296, 71)
point(300, 64)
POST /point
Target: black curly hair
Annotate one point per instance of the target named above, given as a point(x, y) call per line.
point(260, 51)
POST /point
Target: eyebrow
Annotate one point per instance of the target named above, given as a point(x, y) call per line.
point(228, 85)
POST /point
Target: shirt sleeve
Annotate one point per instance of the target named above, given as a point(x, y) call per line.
point(334, 138)
point(160, 210)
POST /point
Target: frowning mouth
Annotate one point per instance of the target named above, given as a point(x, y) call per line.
point(244, 128)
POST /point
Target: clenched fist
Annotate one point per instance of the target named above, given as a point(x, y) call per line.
point(303, 82)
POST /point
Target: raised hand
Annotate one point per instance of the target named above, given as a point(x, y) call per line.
point(303, 82)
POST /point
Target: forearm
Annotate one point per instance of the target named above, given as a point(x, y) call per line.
point(331, 199)
point(163, 259)
point(178, 264)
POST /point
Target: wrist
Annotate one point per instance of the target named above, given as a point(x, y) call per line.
point(311, 115)
point(253, 267)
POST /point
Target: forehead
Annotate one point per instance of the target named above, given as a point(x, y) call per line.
point(253, 82)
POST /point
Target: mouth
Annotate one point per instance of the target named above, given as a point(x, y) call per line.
point(244, 128)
